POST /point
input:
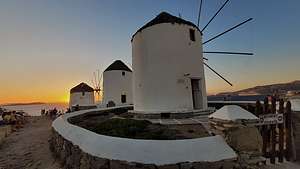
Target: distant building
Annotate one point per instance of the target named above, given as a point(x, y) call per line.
point(168, 70)
point(117, 84)
point(82, 96)
point(293, 93)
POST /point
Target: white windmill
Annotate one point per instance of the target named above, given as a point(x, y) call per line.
point(168, 64)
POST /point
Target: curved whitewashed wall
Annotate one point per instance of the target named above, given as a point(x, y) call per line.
point(164, 59)
point(78, 98)
point(158, 152)
point(115, 84)
point(295, 105)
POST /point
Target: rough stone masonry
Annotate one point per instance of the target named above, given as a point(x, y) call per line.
point(72, 157)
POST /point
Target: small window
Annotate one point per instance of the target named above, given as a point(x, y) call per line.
point(123, 73)
point(123, 98)
point(83, 93)
point(192, 35)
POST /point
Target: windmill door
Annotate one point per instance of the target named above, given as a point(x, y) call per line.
point(196, 93)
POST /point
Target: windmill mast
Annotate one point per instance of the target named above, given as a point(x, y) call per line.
point(96, 81)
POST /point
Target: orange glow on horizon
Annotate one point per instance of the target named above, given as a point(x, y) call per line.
point(31, 100)
point(60, 93)
point(12, 94)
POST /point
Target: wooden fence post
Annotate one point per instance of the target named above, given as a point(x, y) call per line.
point(281, 133)
point(258, 111)
point(273, 132)
point(288, 124)
point(258, 108)
point(265, 128)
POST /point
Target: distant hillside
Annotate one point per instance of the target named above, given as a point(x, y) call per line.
point(281, 88)
point(22, 104)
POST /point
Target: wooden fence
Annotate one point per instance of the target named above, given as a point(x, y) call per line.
point(278, 137)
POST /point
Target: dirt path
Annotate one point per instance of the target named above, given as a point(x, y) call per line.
point(28, 148)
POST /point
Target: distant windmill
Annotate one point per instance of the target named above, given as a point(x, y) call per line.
point(96, 81)
point(217, 36)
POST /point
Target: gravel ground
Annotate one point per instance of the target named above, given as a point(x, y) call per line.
point(28, 148)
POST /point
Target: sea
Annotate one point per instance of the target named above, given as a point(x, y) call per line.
point(35, 109)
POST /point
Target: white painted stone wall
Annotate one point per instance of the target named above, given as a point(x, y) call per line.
point(87, 99)
point(115, 84)
point(161, 56)
point(158, 152)
point(295, 105)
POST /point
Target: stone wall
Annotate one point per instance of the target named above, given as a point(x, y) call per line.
point(72, 157)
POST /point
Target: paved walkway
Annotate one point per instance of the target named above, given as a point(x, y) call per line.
point(28, 148)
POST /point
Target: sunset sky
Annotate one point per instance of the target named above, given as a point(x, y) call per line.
point(49, 46)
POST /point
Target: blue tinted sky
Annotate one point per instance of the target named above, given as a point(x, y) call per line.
point(48, 46)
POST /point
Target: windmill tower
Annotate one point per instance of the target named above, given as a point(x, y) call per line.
point(168, 64)
point(81, 95)
point(117, 84)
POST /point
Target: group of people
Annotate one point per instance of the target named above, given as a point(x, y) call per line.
point(53, 113)
point(12, 118)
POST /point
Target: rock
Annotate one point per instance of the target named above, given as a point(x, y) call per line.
point(171, 166)
point(76, 156)
point(84, 161)
point(144, 166)
point(229, 165)
point(209, 165)
point(246, 139)
point(186, 165)
point(98, 163)
point(251, 160)
point(116, 164)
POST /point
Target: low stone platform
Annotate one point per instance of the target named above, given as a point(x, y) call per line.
point(72, 157)
point(82, 149)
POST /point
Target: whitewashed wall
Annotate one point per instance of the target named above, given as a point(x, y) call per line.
point(87, 99)
point(159, 152)
point(295, 105)
point(114, 85)
point(161, 55)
